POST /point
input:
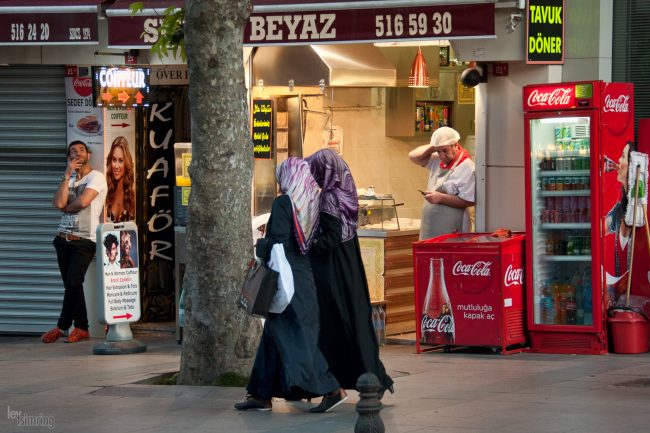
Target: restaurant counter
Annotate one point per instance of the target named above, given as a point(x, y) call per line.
point(388, 260)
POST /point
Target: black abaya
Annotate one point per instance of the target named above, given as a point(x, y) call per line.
point(289, 363)
point(347, 335)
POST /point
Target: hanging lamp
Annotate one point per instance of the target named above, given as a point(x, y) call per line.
point(419, 76)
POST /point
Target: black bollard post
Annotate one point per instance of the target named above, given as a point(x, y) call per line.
point(369, 405)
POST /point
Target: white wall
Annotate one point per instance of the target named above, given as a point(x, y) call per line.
point(504, 156)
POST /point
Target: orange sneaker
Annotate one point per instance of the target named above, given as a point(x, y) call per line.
point(52, 335)
point(77, 335)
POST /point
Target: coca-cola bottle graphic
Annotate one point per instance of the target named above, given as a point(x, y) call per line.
point(437, 326)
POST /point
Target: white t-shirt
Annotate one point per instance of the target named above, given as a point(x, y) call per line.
point(84, 223)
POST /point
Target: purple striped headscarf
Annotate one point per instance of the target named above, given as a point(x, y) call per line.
point(296, 181)
point(338, 194)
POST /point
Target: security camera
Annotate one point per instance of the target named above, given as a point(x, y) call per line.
point(472, 76)
point(515, 19)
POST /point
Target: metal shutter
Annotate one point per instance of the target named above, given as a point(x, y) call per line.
point(631, 35)
point(32, 158)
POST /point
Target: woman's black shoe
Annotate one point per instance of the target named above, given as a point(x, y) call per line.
point(330, 401)
point(383, 390)
point(251, 403)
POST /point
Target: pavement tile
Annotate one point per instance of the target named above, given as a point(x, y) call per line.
point(468, 391)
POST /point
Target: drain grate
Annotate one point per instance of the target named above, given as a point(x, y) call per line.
point(636, 383)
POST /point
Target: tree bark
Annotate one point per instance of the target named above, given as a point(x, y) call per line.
point(219, 337)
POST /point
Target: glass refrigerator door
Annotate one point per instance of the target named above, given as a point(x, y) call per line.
point(561, 234)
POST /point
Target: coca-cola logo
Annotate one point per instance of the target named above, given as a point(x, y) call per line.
point(477, 269)
point(616, 104)
point(618, 108)
point(513, 276)
point(558, 97)
point(83, 86)
point(442, 324)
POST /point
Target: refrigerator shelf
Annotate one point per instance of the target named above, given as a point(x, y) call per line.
point(562, 226)
point(564, 258)
point(560, 152)
point(557, 173)
point(569, 193)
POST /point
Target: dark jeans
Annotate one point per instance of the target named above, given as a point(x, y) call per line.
point(74, 258)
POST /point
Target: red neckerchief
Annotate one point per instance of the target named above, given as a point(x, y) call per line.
point(462, 156)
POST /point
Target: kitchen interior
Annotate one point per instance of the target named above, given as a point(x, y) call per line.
point(355, 99)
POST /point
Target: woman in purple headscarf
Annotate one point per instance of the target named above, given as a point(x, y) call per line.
point(289, 363)
point(347, 335)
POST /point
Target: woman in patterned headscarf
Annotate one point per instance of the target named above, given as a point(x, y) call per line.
point(347, 335)
point(289, 363)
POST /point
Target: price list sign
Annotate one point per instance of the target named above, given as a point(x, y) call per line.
point(52, 29)
point(262, 132)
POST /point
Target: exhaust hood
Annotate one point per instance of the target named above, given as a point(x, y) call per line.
point(344, 65)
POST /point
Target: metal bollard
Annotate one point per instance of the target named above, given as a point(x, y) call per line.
point(369, 405)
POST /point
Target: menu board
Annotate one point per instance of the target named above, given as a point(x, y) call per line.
point(262, 132)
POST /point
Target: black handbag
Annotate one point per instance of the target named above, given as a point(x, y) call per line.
point(258, 289)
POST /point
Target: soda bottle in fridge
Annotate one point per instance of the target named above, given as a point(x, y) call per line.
point(437, 324)
point(546, 304)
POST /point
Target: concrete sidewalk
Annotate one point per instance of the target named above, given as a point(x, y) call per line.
point(68, 388)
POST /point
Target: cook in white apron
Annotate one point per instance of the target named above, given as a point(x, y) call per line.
point(439, 219)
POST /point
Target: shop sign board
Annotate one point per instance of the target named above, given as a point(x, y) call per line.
point(126, 30)
point(545, 32)
point(119, 277)
point(262, 128)
point(169, 75)
point(159, 157)
point(121, 87)
point(343, 24)
point(319, 22)
point(48, 28)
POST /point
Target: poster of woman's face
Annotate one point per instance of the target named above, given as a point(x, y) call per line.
point(623, 163)
point(120, 178)
point(128, 249)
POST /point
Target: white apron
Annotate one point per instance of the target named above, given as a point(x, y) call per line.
point(440, 219)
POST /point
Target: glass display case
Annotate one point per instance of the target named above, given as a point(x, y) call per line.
point(378, 212)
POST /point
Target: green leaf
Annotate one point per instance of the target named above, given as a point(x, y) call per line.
point(136, 7)
point(171, 34)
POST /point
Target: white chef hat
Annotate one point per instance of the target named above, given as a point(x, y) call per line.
point(444, 136)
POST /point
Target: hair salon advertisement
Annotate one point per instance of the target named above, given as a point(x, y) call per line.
point(84, 122)
point(120, 163)
point(119, 278)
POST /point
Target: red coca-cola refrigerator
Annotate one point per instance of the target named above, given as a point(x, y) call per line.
point(576, 135)
point(469, 291)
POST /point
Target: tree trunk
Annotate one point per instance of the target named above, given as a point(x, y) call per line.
point(219, 337)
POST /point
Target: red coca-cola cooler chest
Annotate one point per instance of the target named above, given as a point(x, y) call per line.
point(469, 291)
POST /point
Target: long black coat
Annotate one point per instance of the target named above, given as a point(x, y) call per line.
point(289, 363)
point(347, 336)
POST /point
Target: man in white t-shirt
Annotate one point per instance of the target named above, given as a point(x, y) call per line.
point(80, 195)
point(451, 187)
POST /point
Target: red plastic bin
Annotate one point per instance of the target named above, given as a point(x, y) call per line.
point(630, 332)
